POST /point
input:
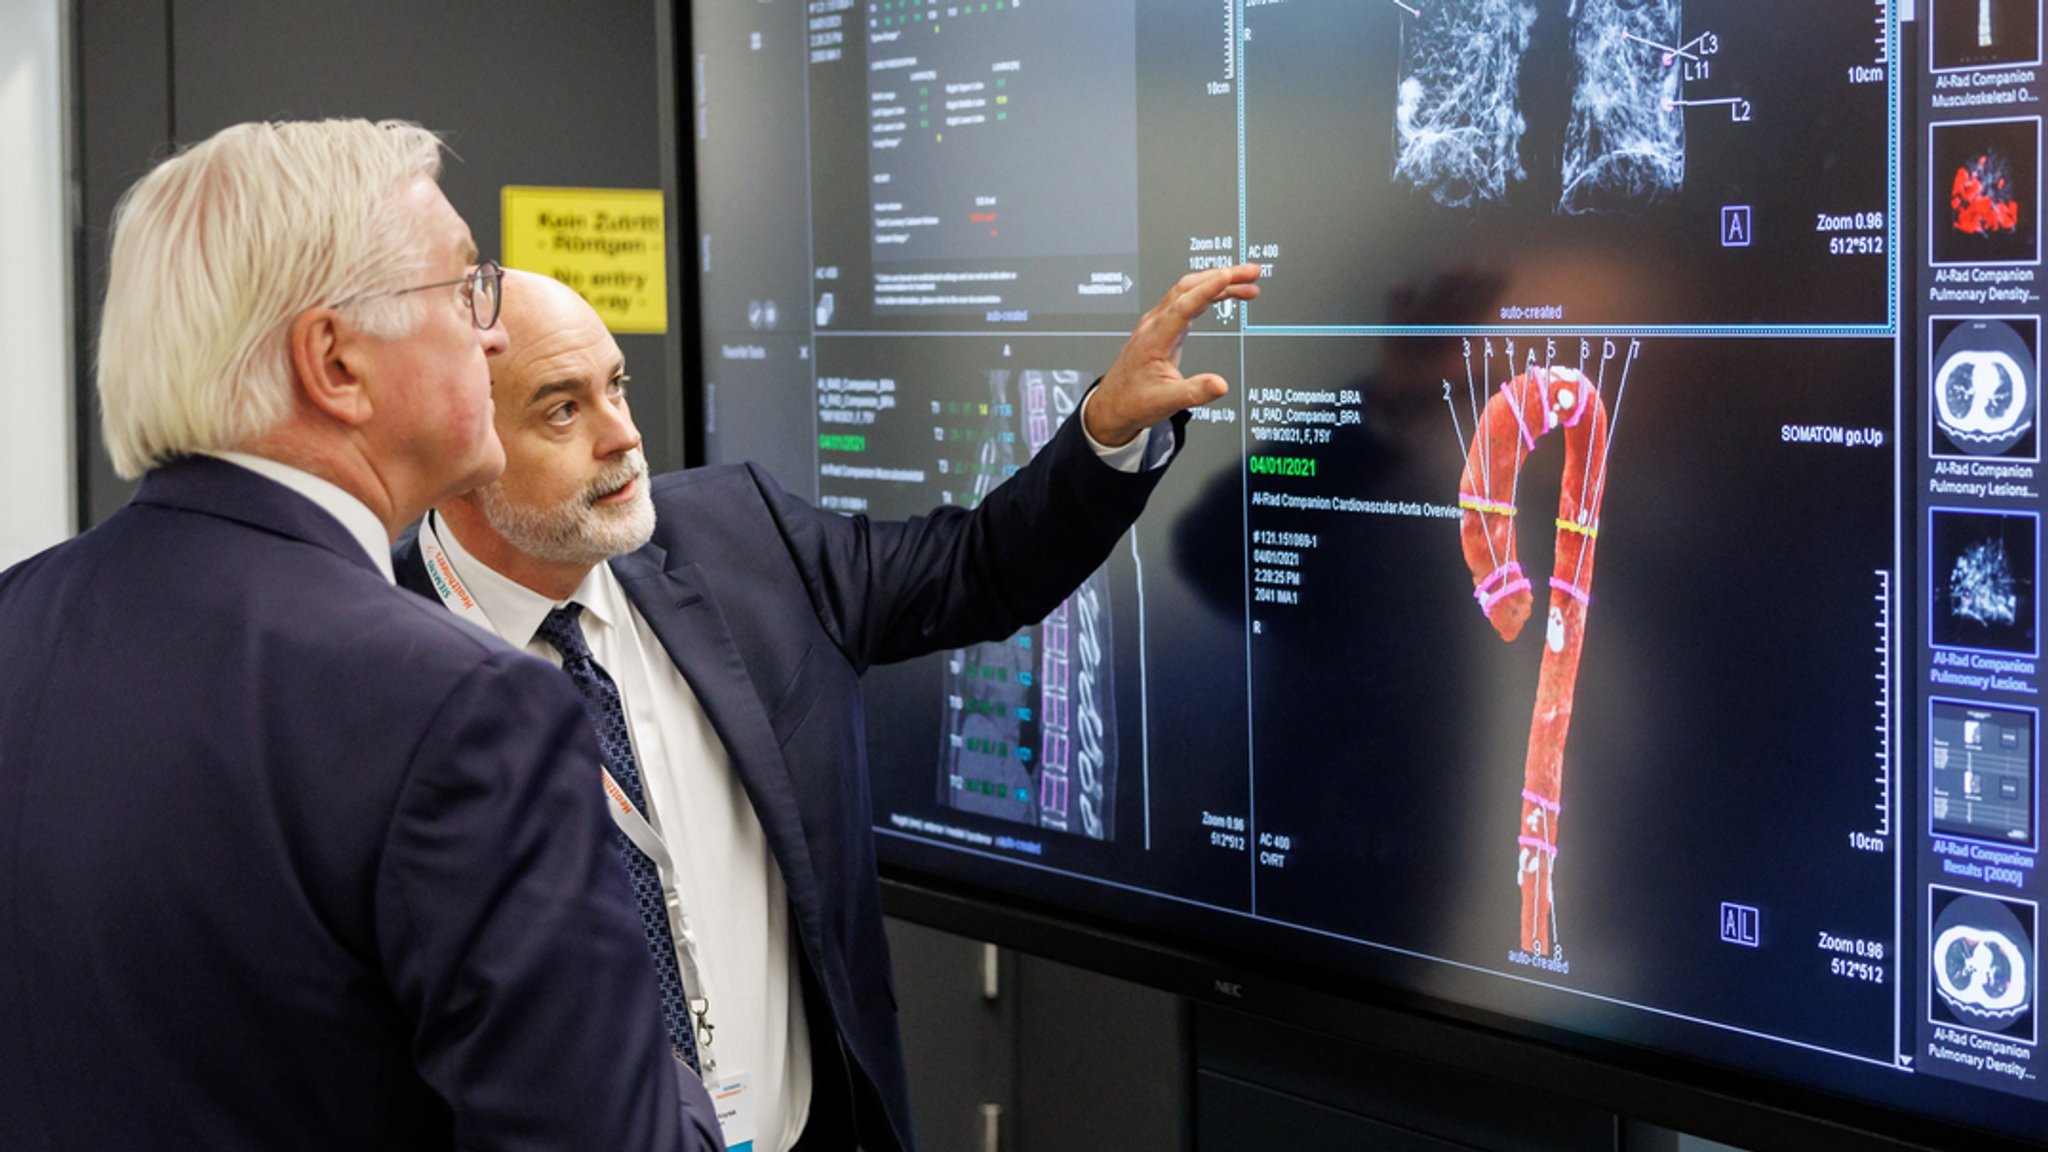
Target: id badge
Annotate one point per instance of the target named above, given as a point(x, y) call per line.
point(735, 1107)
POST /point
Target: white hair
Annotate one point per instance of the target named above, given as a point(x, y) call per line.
point(221, 247)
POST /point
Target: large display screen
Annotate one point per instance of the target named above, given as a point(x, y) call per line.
point(1609, 597)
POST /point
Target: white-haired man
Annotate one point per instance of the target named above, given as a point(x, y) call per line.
point(289, 860)
point(720, 652)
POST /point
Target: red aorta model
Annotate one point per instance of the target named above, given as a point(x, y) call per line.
point(1526, 408)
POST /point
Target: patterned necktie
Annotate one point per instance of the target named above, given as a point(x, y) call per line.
point(601, 699)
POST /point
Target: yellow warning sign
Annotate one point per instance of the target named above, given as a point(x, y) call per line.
point(609, 244)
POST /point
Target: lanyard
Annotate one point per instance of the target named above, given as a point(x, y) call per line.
point(645, 838)
point(447, 583)
point(455, 595)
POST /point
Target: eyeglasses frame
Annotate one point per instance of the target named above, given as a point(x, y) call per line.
point(485, 272)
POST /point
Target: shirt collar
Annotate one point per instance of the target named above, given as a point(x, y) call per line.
point(516, 611)
point(330, 498)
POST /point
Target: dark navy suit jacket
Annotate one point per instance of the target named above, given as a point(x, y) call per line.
point(772, 609)
point(290, 860)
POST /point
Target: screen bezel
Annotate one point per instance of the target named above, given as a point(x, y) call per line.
point(1653, 1085)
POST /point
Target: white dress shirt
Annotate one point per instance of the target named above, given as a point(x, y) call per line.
point(332, 499)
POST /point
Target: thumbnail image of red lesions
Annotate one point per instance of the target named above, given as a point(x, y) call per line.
point(1526, 408)
point(1982, 197)
point(1984, 206)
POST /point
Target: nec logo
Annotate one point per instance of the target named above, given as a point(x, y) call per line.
point(1230, 988)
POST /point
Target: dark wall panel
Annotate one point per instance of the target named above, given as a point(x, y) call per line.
point(959, 1045)
point(1398, 1091)
point(555, 94)
point(122, 97)
point(1101, 1064)
point(1231, 1115)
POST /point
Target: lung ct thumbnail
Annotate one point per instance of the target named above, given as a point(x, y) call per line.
point(1985, 386)
point(1983, 963)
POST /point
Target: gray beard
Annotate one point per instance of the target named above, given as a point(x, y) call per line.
point(576, 531)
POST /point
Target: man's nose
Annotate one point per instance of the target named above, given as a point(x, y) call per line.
point(493, 339)
point(620, 434)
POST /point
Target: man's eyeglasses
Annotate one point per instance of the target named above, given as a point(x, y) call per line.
point(480, 290)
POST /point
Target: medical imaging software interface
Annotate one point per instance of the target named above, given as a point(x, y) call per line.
point(1609, 596)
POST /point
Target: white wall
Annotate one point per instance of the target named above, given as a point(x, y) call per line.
point(37, 495)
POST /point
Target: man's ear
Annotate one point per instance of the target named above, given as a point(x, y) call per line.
point(328, 366)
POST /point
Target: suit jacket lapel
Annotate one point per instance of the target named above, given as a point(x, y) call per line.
point(694, 633)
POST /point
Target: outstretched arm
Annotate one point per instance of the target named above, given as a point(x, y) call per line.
point(889, 590)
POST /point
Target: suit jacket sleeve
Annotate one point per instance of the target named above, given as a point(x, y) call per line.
point(507, 930)
point(890, 590)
